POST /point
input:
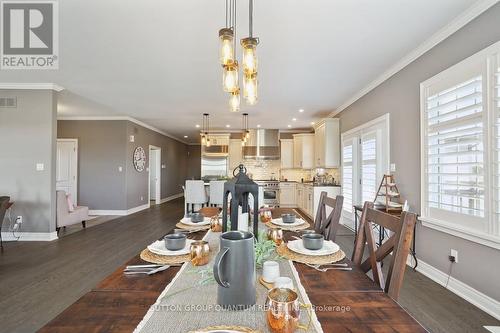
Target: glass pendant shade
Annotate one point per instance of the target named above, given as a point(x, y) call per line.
point(208, 142)
point(226, 46)
point(249, 55)
point(250, 89)
point(234, 101)
point(230, 77)
point(247, 135)
point(203, 140)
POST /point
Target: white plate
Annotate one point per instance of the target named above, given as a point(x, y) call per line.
point(187, 221)
point(279, 221)
point(158, 247)
point(328, 248)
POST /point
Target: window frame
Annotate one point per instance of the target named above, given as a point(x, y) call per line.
point(487, 62)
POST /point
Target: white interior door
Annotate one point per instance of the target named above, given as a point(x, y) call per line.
point(67, 167)
point(155, 175)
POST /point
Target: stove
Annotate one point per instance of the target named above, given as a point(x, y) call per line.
point(270, 191)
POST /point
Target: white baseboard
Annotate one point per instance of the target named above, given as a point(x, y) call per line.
point(137, 209)
point(107, 212)
point(30, 236)
point(172, 197)
point(471, 295)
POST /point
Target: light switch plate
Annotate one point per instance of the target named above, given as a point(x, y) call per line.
point(40, 167)
point(132, 138)
point(393, 167)
point(120, 169)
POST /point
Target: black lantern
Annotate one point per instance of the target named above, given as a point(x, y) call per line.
point(240, 187)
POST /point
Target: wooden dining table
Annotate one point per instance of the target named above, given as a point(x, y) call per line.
point(345, 301)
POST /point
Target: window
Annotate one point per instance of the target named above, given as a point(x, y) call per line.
point(456, 108)
point(365, 159)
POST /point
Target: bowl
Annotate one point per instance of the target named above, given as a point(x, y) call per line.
point(175, 242)
point(313, 241)
point(288, 218)
point(197, 217)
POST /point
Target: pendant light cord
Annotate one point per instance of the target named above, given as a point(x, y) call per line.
point(227, 22)
point(250, 17)
point(234, 29)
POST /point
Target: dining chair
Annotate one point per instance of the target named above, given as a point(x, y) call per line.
point(194, 194)
point(398, 243)
point(4, 203)
point(324, 224)
point(216, 192)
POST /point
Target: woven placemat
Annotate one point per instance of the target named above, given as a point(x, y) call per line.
point(181, 225)
point(154, 258)
point(226, 328)
point(285, 252)
point(303, 226)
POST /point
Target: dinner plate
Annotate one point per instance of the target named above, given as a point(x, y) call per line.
point(279, 221)
point(158, 247)
point(328, 248)
point(187, 221)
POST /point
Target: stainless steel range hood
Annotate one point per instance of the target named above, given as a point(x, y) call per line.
point(263, 144)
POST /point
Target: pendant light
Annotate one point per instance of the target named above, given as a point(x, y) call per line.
point(250, 89)
point(245, 133)
point(230, 69)
point(250, 62)
point(234, 101)
point(205, 140)
point(226, 38)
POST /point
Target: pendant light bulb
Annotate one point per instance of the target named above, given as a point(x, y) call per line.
point(203, 140)
point(230, 77)
point(226, 38)
point(234, 101)
point(247, 135)
point(249, 55)
point(208, 142)
point(250, 89)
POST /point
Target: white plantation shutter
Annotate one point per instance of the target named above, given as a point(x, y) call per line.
point(496, 177)
point(348, 175)
point(455, 149)
point(369, 173)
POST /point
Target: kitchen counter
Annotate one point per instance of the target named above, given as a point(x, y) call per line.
point(309, 183)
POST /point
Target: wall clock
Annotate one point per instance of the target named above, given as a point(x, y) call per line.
point(139, 159)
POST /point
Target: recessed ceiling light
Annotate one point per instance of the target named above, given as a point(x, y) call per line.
point(294, 119)
point(289, 126)
point(258, 125)
point(185, 136)
point(312, 123)
point(228, 125)
point(197, 126)
point(301, 110)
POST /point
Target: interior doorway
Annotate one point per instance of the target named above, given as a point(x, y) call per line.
point(154, 175)
point(67, 167)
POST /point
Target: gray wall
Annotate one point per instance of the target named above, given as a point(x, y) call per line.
point(399, 96)
point(28, 136)
point(101, 151)
point(194, 162)
point(173, 156)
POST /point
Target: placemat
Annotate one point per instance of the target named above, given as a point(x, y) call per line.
point(285, 252)
point(189, 302)
point(303, 226)
point(154, 258)
point(181, 225)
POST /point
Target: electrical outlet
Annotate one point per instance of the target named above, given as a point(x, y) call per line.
point(19, 219)
point(454, 254)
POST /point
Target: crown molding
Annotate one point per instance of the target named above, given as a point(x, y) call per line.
point(31, 86)
point(456, 24)
point(133, 120)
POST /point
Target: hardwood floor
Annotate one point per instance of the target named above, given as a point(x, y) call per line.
point(39, 280)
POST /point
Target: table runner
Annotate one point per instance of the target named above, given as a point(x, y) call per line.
point(187, 304)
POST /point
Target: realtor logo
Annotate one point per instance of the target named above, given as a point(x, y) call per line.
point(29, 34)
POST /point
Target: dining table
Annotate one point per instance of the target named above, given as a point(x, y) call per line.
point(348, 301)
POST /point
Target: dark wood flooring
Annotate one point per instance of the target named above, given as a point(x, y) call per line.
point(40, 279)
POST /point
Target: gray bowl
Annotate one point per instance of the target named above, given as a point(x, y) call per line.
point(175, 242)
point(288, 218)
point(313, 241)
point(197, 217)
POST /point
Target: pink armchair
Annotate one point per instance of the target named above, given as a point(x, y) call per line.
point(64, 217)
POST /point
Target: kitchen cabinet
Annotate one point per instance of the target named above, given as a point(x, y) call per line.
point(287, 194)
point(303, 151)
point(309, 200)
point(299, 196)
point(327, 144)
point(307, 197)
point(287, 161)
point(235, 154)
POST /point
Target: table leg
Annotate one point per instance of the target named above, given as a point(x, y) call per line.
point(413, 251)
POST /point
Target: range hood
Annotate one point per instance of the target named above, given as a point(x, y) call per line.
point(263, 144)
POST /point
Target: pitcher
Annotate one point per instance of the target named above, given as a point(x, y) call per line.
point(234, 270)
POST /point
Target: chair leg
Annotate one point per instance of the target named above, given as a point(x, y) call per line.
point(57, 230)
point(84, 225)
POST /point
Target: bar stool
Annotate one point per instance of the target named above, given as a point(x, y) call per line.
point(216, 192)
point(194, 194)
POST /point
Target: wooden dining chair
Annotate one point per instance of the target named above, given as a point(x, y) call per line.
point(328, 225)
point(398, 243)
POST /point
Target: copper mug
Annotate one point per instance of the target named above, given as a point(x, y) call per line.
point(283, 311)
point(276, 234)
point(216, 224)
point(199, 253)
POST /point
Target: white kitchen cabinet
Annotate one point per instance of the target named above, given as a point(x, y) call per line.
point(303, 151)
point(307, 197)
point(327, 144)
point(235, 154)
point(287, 194)
point(309, 200)
point(287, 161)
point(300, 196)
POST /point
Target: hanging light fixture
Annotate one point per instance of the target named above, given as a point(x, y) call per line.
point(230, 77)
point(202, 133)
point(230, 68)
point(249, 45)
point(245, 133)
point(250, 89)
point(205, 140)
point(226, 38)
point(234, 101)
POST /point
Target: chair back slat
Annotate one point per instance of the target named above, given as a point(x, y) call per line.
point(398, 243)
point(324, 224)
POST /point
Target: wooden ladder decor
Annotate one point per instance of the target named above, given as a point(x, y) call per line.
point(389, 191)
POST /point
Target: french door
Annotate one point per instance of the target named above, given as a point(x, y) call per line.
point(365, 159)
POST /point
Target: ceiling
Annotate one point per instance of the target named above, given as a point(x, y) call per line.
point(157, 60)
